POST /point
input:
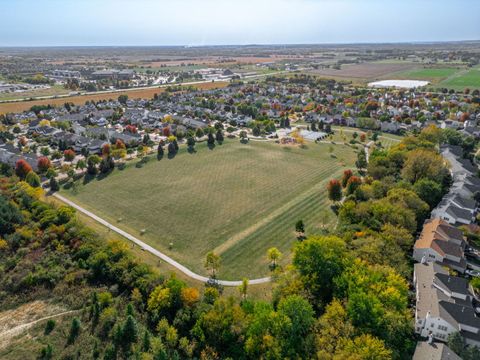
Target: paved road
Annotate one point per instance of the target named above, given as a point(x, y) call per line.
point(154, 251)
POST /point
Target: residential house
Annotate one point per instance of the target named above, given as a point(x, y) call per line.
point(434, 351)
point(441, 242)
point(444, 304)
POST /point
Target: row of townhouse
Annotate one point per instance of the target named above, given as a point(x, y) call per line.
point(459, 205)
point(445, 303)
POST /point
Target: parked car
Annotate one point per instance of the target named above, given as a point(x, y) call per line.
point(473, 273)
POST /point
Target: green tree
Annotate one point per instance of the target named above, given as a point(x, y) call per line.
point(300, 226)
point(429, 191)
point(319, 260)
point(46, 353)
point(10, 216)
point(74, 331)
point(296, 334)
point(49, 326)
point(274, 255)
point(122, 99)
point(243, 288)
point(33, 179)
point(212, 263)
point(129, 332)
point(160, 151)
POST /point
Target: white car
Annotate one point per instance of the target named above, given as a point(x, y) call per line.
point(474, 273)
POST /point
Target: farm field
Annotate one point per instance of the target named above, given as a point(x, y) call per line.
point(237, 200)
point(80, 99)
point(365, 71)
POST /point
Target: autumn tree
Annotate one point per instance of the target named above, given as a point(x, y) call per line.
point(352, 184)
point(106, 150)
point(43, 164)
point(423, 164)
point(69, 155)
point(190, 296)
point(334, 189)
point(22, 168)
point(347, 174)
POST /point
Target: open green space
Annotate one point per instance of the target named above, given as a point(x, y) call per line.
point(237, 199)
point(430, 73)
point(466, 79)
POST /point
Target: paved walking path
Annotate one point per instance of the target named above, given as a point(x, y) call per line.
point(154, 251)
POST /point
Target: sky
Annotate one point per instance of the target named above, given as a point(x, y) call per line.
point(234, 22)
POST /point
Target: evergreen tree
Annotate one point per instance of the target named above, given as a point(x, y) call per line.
point(74, 331)
point(54, 184)
point(160, 150)
point(211, 139)
point(219, 136)
point(146, 343)
point(129, 332)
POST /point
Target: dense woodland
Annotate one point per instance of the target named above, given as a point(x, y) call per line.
point(345, 295)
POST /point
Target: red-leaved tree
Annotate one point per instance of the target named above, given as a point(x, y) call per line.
point(334, 189)
point(22, 168)
point(106, 149)
point(43, 163)
point(353, 183)
point(69, 154)
point(347, 174)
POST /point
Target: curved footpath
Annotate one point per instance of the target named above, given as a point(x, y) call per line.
point(154, 251)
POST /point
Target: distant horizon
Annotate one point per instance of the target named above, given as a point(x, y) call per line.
point(419, 42)
point(60, 23)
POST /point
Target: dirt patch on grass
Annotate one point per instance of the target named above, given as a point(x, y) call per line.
point(15, 322)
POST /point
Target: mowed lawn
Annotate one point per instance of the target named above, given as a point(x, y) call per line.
point(237, 199)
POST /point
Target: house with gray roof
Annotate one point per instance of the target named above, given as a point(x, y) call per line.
point(444, 304)
point(434, 351)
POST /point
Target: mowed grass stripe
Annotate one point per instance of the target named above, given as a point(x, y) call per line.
point(280, 231)
point(283, 209)
point(199, 201)
point(280, 234)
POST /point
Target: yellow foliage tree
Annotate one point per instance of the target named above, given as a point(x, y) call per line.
point(190, 296)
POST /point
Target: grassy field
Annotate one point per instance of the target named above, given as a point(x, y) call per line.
point(237, 199)
point(342, 134)
point(80, 99)
point(430, 73)
point(466, 79)
point(54, 90)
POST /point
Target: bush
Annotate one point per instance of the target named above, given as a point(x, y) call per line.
point(49, 326)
